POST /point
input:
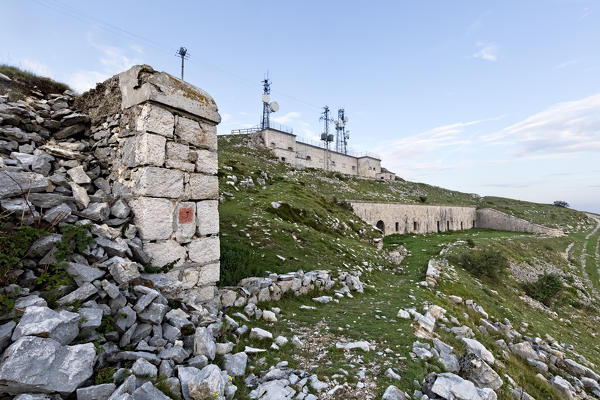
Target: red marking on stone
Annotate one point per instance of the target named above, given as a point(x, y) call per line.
point(186, 215)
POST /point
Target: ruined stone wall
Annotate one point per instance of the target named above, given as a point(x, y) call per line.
point(494, 219)
point(408, 218)
point(157, 137)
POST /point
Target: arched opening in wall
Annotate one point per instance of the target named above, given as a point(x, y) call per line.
point(290, 148)
point(273, 144)
point(380, 225)
point(397, 226)
point(282, 158)
point(415, 226)
point(447, 225)
point(473, 223)
point(438, 226)
point(308, 158)
point(461, 225)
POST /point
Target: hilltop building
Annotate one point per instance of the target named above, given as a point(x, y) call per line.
point(303, 153)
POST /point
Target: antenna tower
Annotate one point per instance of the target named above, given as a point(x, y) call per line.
point(342, 136)
point(325, 136)
point(268, 105)
point(183, 53)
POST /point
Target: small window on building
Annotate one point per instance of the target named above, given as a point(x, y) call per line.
point(273, 144)
point(353, 167)
point(282, 158)
point(461, 225)
point(397, 226)
point(447, 225)
point(332, 162)
point(415, 225)
point(438, 226)
point(290, 148)
point(473, 223)
point(308, 158)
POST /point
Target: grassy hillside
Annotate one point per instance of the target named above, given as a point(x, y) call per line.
point(311, 228)
point(24, 83)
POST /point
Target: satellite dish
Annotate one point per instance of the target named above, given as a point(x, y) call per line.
point(266, 98)
point(341, 124)
point(347, 136)
point(345, 118)
point(274, 106)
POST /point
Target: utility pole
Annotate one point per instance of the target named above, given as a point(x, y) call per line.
point(183, 53)
point(325, 136)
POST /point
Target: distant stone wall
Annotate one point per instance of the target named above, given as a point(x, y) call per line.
point(157, 136)
point(408, 218)
point(304, 155)
point(494, 219)
point(414, 218)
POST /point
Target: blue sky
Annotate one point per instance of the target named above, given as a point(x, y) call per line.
point(495, 98)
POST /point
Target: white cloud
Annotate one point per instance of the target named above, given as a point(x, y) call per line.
point(424, 143)
point(36, 67)
point(112, 59)
point(564, 128)
point(565, 64)
point(486, 51)
point(286, 118)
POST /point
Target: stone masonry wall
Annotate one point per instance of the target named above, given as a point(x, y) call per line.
point(157, 136)
point(494, 219)
point(408, 218)
point(414, 218)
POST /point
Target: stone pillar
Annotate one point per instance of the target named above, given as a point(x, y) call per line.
point(163, 161)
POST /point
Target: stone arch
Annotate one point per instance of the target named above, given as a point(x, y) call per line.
point(380, 225)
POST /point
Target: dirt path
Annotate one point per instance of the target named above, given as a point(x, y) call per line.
point(584, 251)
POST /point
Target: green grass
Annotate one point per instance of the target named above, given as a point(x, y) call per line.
point(314, 229)
point(23, 82)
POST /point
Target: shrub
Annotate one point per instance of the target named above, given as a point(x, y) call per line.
point(545, 289)
point(561, 203)
point(14, 244)
point(423, 199)
point(482, 263)
point(238, 261)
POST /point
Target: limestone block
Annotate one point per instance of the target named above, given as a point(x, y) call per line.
point(204, 250)
point(178, 157)
point(209, 274)
point(166, 252)
point(144, 149)
point(185, 222)
point(207, 217)
point(202, 187)
point(153, 217)
point(206, 162)
point(157, 182)
point(155, 119)
point(197, 134)
point(141, 83)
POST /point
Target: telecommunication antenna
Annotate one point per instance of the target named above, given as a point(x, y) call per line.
point(342, 136)
point(268, 105)
point(325, 136)
point(183, 53)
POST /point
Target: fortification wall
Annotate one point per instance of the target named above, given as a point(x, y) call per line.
point(414, 218)
point(409, 218)
point(156, 135)
point(494, 219)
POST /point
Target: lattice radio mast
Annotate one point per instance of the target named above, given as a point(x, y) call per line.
point(325, 136)
point(342, 136)
point(268, 105)
point(183, 53)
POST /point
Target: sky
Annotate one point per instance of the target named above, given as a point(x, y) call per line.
point(497, 98)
